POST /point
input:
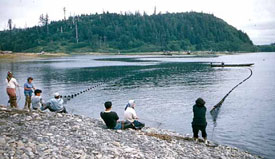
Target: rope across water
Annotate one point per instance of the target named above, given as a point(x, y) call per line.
point(69, 97)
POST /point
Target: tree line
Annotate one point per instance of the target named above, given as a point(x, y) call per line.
point(131, 32)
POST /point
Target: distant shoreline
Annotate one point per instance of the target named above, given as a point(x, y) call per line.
point(26, 56)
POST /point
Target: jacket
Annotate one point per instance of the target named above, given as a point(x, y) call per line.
point(199, 112)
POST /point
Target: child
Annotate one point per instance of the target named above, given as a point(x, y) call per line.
point(28, 90)
point(37, 100)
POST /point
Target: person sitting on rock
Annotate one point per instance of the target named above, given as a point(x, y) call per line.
point(131, 116)
point(110, 118)
point(37, 100)
point(199, 121)
point(55, 105)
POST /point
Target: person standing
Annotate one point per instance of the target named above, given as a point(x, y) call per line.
point(28, 90)
point(199, 121)
point(11, 89)
point(131, 115)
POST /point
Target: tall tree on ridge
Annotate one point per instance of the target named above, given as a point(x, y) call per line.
point(64, 9)
point(44, 21)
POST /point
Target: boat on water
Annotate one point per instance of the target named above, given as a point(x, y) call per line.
point(231, 65)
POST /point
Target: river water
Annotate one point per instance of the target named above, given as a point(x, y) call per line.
point(165, 89)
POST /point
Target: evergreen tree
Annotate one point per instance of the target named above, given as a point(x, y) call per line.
point(128, 32)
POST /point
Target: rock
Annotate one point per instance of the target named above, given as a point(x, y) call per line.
point(222, 157)
point(116, 144)
point(28, 118)
point(20, 144)
point(24, 156)
point(78, 120)
point(3, 108)
point(75, 127)
point(2, 141)
point(59, 115)
point(119, 131)
point(129, 149)
point(15, 115)
point(2, 152)
point(99, 156)
point(49, 134)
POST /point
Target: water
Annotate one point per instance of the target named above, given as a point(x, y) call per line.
point(165, 88)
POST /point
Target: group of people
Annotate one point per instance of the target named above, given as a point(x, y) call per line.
point(110, 118)
point(131, 119)
point(33, 102)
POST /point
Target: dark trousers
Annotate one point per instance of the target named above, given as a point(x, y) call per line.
point(197, 128)
point(52, 110)
point(138, 125)
point(63, 110)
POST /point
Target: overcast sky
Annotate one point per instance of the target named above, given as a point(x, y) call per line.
point(255, 17)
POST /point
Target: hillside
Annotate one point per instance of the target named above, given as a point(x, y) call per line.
point(111, 32)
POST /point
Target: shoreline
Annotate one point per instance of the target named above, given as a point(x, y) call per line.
point(27, 56)
point(34, 134)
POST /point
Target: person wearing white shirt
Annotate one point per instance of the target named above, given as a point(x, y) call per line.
point(131, 116)
point(37, 101)
point(11, 89)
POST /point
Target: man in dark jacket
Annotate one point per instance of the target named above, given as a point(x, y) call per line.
point(199, 121)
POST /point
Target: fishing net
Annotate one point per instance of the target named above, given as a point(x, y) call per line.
point(216, 109)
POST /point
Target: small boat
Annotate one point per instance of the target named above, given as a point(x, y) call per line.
point(231, 65)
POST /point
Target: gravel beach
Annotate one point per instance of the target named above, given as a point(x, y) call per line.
point(50, 135)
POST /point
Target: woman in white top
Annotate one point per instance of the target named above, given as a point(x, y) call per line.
point(11, 89)
point(131, 115)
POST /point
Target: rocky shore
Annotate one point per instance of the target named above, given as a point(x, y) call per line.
point(49, 135)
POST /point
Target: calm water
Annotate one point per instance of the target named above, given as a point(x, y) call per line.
point(165, 88)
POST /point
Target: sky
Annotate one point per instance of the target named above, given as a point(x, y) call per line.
point(254, 17)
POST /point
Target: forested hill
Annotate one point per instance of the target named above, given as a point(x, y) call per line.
point(111, 32)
